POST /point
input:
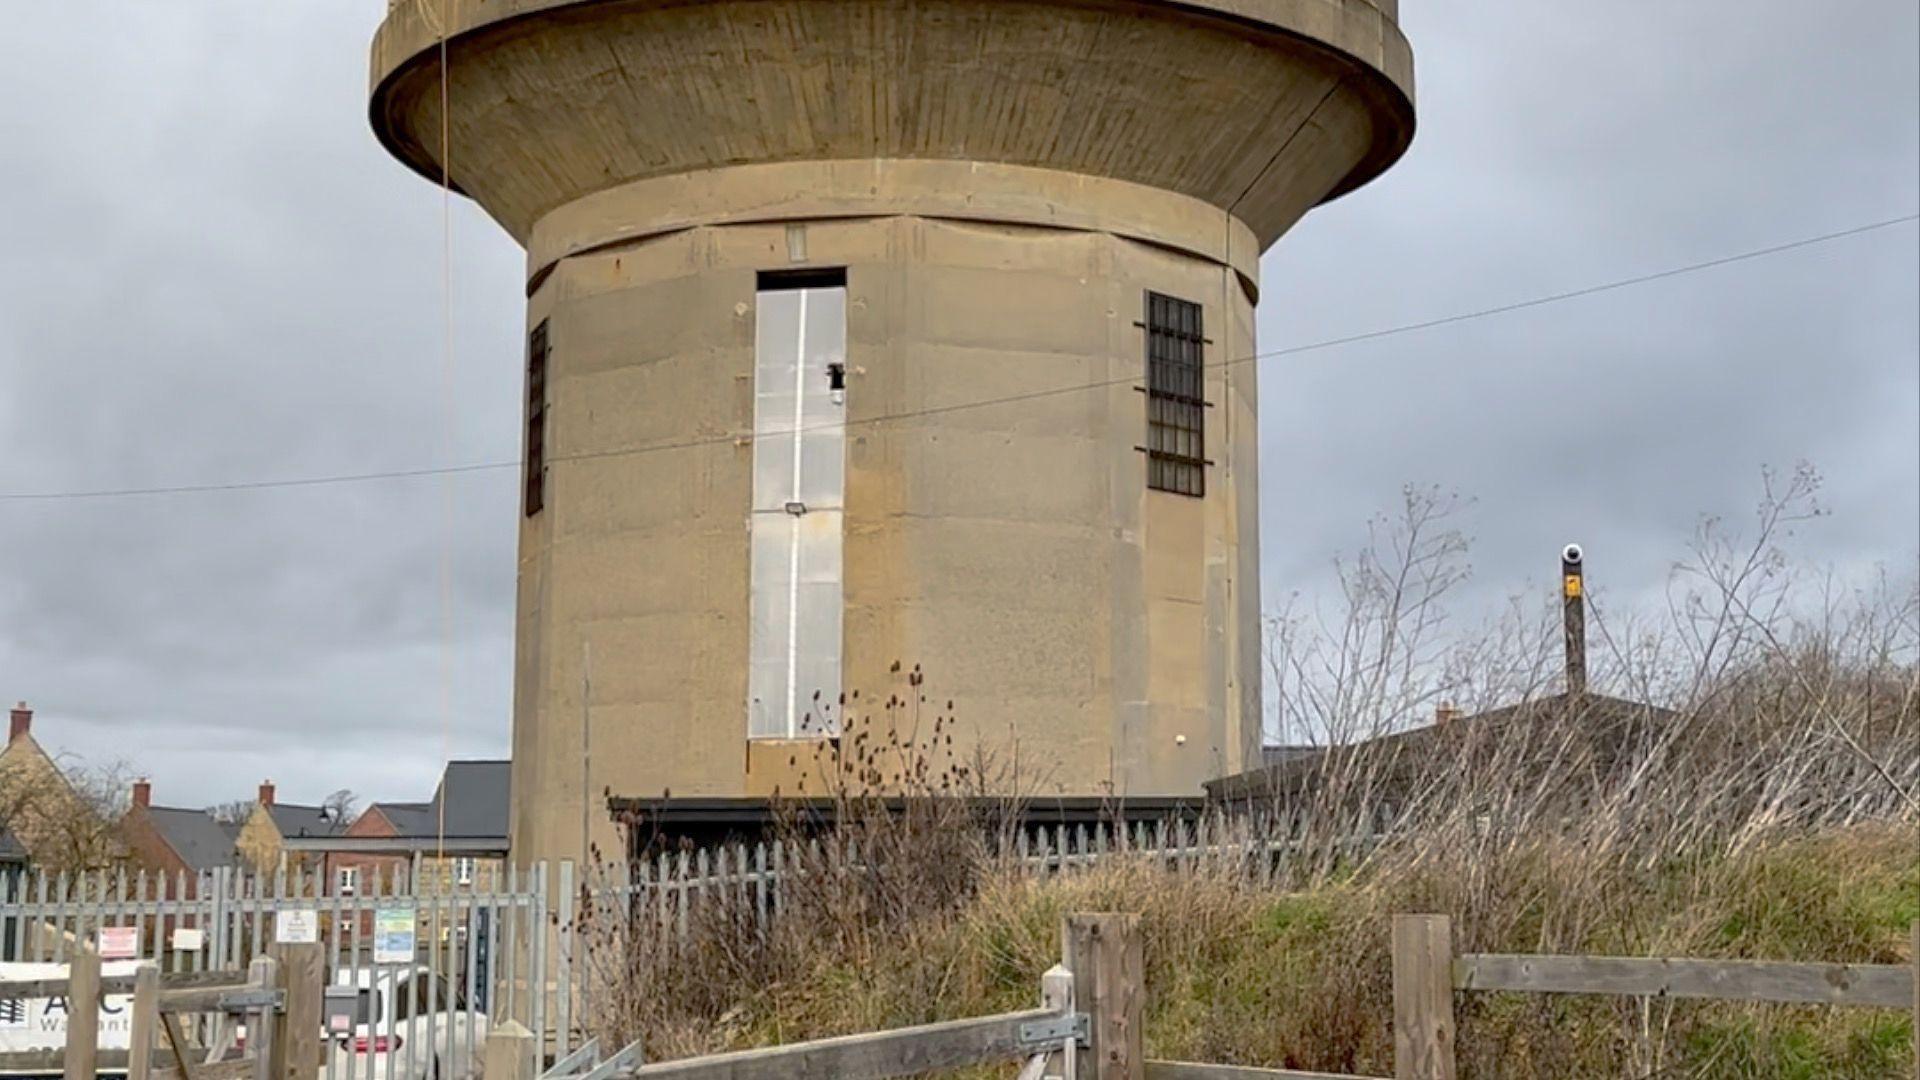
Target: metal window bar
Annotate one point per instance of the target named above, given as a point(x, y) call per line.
point(536, 464)
point(1176, 402)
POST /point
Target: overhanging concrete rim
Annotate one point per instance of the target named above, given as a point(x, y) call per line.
point(411, 36)
point(984, 193)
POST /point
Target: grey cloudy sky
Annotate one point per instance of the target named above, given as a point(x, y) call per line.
point(209, 272)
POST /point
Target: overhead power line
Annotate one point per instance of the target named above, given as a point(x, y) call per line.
point(983, 403)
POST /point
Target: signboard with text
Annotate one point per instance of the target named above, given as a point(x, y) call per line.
point(119, 942)
point(41, 1023)
point(393, 941)
point(300, 926)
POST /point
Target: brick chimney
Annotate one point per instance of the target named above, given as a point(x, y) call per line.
point(19, 722)
point(1445, 714)
point(142, 792)
point(265, 797)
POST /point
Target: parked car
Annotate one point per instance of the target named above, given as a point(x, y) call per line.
point(407, 1024)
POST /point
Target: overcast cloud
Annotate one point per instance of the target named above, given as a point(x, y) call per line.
point(210, 272)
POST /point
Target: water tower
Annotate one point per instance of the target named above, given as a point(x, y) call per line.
point(864, 331)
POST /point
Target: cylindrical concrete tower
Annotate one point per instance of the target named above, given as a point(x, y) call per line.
point(864, 331)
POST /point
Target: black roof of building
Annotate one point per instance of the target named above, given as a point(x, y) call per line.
point(475, 797)
point(1280, 755)
point(1609, 726)
point(293, 819)
point(202, 841)
point(656, 824)
point(409, 818)
point(468, 814)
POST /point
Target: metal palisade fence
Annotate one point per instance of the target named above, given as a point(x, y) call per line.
point(671, 888)
point(417, 973)
point(419, 970)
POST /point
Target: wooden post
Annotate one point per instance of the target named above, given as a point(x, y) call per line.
point(296, 1037)
point(1056, 993)
point(1104, 954)
point(1422, 997)
point(510, 1052)
point(83, 1012)
point(260, 1023)
point(146, 1021)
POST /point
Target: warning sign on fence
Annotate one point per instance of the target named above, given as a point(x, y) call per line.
point(393, 936)
point(119, 942)
point(301, 926)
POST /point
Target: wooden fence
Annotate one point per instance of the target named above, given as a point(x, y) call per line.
point(1426, 974)
point(1089, 1024)
point(1089, 1010)
point(278, 998)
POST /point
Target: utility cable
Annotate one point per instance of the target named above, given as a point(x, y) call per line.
point(938, 410)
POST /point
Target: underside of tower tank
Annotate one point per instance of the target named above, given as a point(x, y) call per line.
point(866, 333)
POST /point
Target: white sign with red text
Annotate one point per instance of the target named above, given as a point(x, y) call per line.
point(119, 942)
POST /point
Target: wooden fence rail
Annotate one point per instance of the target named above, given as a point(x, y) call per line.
point(1188, 1070)
point(900, 1052)
point(1887, 986)
point(1426, 975)
point(260, 994)
point(1100, 974)
point(119, 984)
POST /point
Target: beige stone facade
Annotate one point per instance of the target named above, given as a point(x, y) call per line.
point(43, 819)
point(1002, 184)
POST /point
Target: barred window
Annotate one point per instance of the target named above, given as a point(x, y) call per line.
point(536, 479)
point(1176, 407)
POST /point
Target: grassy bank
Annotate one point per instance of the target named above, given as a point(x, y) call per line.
point(1246, 975)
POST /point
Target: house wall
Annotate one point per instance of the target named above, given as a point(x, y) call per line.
point(39, 805)
point(439, 873)
point(370, 823)
point(259, 843)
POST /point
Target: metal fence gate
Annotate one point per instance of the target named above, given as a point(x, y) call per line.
point(418, 969)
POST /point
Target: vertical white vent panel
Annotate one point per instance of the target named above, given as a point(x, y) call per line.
point(799, 477)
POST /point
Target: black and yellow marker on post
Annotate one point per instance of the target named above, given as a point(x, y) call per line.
point(1573, 601)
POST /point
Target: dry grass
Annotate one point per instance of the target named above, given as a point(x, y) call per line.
point(1769, 811)
point(1243, 974)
